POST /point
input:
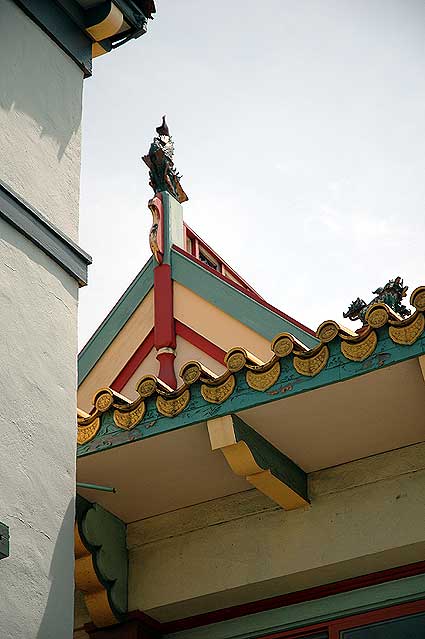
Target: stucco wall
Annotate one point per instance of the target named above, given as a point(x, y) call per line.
point(364, 516)
point(40, 115)
point(38, 324)
point(40, 112)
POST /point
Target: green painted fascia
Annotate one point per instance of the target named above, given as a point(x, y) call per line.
point(114, 322)
point(59, 24)
point(311, 612)
point(227, 298)
point(289, 383)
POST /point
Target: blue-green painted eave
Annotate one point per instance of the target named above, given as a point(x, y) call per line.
point(311, 612)
point(233, 302)
point(289, 383)
point(114, 322)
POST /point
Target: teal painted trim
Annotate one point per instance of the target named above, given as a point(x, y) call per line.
point(243, 308)
point(58, 24)
point(269, 457)
point(114, 322)
point(289, 383)
point(28, 221)
point(311, 612)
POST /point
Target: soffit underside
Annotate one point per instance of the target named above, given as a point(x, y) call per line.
point(322, 428)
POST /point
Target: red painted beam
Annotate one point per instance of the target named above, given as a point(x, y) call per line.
point(204, 344)
point(133, 363)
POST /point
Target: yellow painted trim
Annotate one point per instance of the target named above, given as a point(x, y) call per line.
point(242, 462)
point(86, 580)
point(108, 26)
point(276, 490)
point(97, 50)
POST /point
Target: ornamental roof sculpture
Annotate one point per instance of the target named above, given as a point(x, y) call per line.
point(391, 294)
point(385, 339)
point(163, 176)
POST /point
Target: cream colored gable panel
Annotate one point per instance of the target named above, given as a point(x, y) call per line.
point(220, 328)
point(187, 352)
point(149, 366)
point(118, 353)
point(184, 353)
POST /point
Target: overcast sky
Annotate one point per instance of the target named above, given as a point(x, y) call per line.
point(299, 130)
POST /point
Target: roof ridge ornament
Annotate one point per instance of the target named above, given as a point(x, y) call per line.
point(391, 294)
point(163, 176)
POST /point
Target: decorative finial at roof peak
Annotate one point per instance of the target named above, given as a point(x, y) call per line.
point(391, 294)
point(162, 174)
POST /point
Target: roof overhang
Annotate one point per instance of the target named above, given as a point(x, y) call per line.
point(348, 398)
point(87, 28)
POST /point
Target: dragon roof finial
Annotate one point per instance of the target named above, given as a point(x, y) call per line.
point(162, 174)
point(391, 294)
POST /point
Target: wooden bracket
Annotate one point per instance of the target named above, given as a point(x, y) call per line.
point(264, 466)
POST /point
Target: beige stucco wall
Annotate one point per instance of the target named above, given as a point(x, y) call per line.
point(40, 116)
point(40, 112)
point(364, 516)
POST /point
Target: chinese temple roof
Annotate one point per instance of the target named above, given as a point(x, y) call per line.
point(193, 353)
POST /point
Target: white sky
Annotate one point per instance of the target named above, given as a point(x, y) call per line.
point(299, 130)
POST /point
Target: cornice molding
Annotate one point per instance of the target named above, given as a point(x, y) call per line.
point(44, 234)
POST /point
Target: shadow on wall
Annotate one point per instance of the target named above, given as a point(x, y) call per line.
point(37, 78)
point(58, 618)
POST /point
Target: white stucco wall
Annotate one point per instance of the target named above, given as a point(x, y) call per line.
point(40, 112)
point(40, 115)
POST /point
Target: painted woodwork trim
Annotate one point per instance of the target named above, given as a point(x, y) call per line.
point(34, 226)
point(201, 342)
point(225, 269)
point(62, 28)
point(101, 562)
point(234, 300)
point(313, 615)
point(115, 320)
point(251, 456)
point(133, 363)
point(290, 599)
point(103, 21)
point(247, 382)
point(147, 345)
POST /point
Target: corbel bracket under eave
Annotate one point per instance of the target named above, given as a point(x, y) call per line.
point(264, 466)
point(101, 562)
point(103, 21)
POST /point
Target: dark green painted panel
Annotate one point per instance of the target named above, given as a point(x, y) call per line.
point(267, 456)
point(233, 302)
point(412, 627)
point(104, 536)
point(113, 323)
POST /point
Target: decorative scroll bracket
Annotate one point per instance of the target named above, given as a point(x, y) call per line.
point(101, 562)
point(251, 456)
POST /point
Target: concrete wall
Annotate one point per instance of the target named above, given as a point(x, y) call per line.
point(40, 116)
point(40, 112)
point(365, 516)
